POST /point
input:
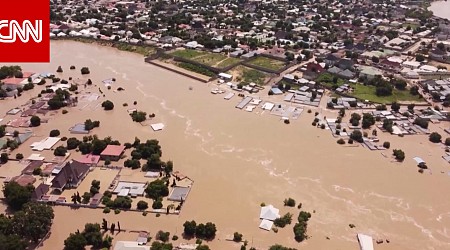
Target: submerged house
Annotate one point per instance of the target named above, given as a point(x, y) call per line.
point(71, 175)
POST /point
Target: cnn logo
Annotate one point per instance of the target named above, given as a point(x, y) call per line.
point(23, 31)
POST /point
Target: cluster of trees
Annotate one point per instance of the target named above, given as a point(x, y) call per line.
point(367, 121)
point(157, 189)
point(399, 154)
point(139, 116)
point(300, 228)
point(354, 119)
point(283, 220)
point(201, 231)
point(423, 123)
point(89, 124)
point(10, 71)
point(59, 99)
point(31, 221)
point(91, 236)
point(94, 145)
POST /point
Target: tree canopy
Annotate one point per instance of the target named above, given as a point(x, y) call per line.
point(16, 195)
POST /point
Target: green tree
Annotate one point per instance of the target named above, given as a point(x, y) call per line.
point(280, 247)
point(72, 143)
point(189, 228)
point(12, 242)
point(60, 151)
point(54, 133)
point(420, 57)
point(2, 130)
point(367, 121)
point(395, 106)
point(354, 119)
point(59, 70)
point(156, 245)
point(142, 205)
point(206, 231)
point(357, 135)
point(435, 137)
point(289, 202)
point(423, 123)
point(75, 241)
point(33, 221)
point(85, 71)
point(163, 236)
point(157, 189)
point(4, 158)
point(16, 195)
point(108, 105)
point(92, 234)
point(237, 237)
point(35, 121)
point(399, 154)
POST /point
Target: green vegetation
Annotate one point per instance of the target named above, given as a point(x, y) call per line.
point(280, 247)
point(157, 189)
point(267, 63)
point(289, 202)
point(399, 154)
point(91, 236)
point(142, 205)
point(188, 53)
point(196, 69)
point(138, 116)
point(227, 62)
point(237, 237)
point(435, 137)
point(201, 231)
point(300, 228)
point(369, 92)
point(35, 121)
point(283, 220)
point(16, 195)
point(248, 75)
point(28, 225)
point(108, 105)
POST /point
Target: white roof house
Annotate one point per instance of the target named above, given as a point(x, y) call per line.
point(365, 242)
point(269, 213)
point(266, 225)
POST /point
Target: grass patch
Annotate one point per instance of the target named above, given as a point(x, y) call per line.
point(188, 53)
point(227, 62)
point(367, 92)
point(210, 59)
point(195, 68)
point(267, 63)
point(327, 80)
point(247, 75)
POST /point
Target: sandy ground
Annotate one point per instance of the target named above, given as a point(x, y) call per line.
point(240, 159)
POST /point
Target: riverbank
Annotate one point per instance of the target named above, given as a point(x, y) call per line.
point(239, 160)
point(141, 49)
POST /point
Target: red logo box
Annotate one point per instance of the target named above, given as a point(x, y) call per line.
point(25, 31)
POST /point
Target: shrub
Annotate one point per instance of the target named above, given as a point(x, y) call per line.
point(64, 111)
point(85, 71)
point(447, 141)
point(37, 171)
point(289, 202)
point(54, 133)
point(139, 116)
point(399, 154)
point(116, 211)
point(19, 156)
point(237, 237)
point(350, 141)
point(157, 204)
point(322, 126)
point(174, 238)
point(72, 67)
point(386, 144)
point(35, 121)
point(106, 210)
point(341, 141)
point(60, 151)
point(162, 236)
point(108, 105)
point(421, 122)
point(283, 221)
point(435, 137)
point(59, 70)
point(142, 205)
